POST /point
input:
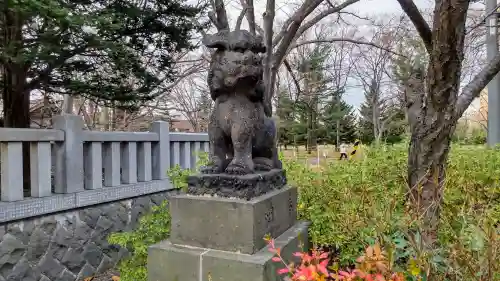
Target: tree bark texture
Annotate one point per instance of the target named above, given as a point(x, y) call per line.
point(15, 95)
point(432, 114)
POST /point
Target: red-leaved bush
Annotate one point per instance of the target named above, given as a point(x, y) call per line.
point(313, 266)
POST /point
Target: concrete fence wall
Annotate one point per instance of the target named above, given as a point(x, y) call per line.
point(83, 186)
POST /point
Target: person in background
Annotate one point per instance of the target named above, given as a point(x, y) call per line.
point(343, 151)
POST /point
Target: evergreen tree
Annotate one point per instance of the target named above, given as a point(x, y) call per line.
point(409, 75)
point(105, 49)
point(204, 106)
point(339, 122)
point(380, 120)
point(285, 112)
point(311, 69)
point(365, 123)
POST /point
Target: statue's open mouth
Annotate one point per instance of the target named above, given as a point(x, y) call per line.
point(241, 73)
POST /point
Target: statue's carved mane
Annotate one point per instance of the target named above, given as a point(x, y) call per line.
point(235, 40)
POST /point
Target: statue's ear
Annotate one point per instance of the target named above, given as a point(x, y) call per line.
point(216, 41)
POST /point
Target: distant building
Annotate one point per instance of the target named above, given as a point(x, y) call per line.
point(179, 125)
point(479, 109)
point(182, 125)
point(42, 110)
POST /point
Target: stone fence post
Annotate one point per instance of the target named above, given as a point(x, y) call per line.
point(69, 176)
point(161, 150)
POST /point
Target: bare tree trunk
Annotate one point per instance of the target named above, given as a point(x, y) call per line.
point(375, 117)
point(310, 131)
point(87, 111)
point(428, 153)
point(431, 128)
point(15, 95)
point(68, 103)
point(338, 134)
point(433, 115)
point(46, 110)
point(314, 125)
point(105, 118)
point(113, 117)
point(294, 143)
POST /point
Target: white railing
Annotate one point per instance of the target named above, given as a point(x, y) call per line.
point(71, 167)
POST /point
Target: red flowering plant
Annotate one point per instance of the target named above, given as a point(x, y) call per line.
point(372, 266)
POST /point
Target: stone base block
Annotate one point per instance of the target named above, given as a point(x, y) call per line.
point(171, 262)
point(235, 225)
point(237, 186)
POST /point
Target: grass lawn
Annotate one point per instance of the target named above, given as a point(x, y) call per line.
point(325, 153)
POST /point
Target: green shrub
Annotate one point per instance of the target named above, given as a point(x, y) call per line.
point(178, 175)
point(475, 137)
point(352, 204)
point(152, 228)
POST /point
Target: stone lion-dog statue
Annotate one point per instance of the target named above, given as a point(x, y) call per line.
point(242, 137)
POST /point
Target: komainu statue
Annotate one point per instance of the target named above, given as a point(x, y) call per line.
point(242, 137)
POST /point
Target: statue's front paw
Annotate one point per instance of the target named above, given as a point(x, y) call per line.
point(237, 170)
point(263, 164)
point(240, 167)
point(263, 168)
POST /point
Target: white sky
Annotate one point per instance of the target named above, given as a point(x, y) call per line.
point(385, 6)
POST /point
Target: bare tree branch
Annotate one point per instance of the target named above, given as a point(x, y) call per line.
point(341, 39)
point(292, 34)
point(295, 81)
point(220, 15)
point(478, 83)
point(293, 23)
point(213, 19)
point(240, 18)
point(268, 18)
point(481, 22)
point(250, 15)
point(418, 20)
point(271, 68)
point(305, 26)
point(356, 16)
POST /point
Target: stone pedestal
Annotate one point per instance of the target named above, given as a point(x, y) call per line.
point(245, 186)
point(221, 239)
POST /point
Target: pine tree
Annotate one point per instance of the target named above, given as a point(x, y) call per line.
point(311, 70)
point(365, 124)
point(106, 50)
point(339, 122)
point(380, 119)
point(285, 112)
